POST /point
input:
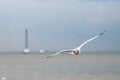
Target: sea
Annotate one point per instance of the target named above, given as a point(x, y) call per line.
point(86, 66)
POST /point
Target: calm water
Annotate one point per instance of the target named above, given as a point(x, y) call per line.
point(93, 66)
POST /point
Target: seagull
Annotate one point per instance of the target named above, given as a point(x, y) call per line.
point(77, 50)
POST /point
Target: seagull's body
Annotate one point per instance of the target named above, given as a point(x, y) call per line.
point(77, 50)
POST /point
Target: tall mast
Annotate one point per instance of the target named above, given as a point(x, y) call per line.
point(26, 38)
point(26, 50)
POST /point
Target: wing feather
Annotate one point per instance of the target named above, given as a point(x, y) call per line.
point(90, 40)
point(68, 50)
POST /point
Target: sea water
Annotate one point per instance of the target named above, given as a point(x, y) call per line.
point(86, 66)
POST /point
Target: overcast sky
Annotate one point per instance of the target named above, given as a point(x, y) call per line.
point(59, 24)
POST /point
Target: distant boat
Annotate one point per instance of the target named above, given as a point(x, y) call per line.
point(42, 51)
point(26, 50)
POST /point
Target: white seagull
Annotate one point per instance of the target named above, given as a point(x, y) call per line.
point(77, 50)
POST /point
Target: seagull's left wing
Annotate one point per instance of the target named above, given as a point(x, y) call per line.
point(68, 50)
point(91, 39)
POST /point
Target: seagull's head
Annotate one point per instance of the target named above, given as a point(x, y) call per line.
point(76, 51)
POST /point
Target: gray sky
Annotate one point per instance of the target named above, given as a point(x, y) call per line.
point(59, 24)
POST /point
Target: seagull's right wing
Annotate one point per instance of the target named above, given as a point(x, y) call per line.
point(68, 50)
point(91, 39)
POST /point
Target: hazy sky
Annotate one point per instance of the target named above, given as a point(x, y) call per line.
point(59, 24)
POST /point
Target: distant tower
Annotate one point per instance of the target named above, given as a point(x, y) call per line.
point(26, 50)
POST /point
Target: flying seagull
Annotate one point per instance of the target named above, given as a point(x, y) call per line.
point(77, 50)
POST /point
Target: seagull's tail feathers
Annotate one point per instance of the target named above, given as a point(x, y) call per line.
point(71, 53)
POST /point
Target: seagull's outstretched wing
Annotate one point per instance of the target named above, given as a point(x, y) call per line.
point(68, 50)
point(90, 40)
